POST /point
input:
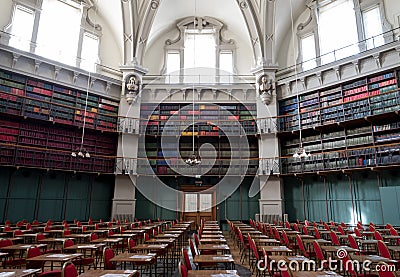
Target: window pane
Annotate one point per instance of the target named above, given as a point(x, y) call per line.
point(58, 32)
point(199, 53)
point(22, 26)
point(90, 52)
point(173, 67)
point(373, 28)
point(308, 52)
point(190, 202)
point(205, 202)
point(337, 33)
point(226, 66)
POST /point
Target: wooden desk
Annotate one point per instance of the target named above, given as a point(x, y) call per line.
point(18, 272)
point(110, 273)
point(225, 273)
point(331, 250)
point(137, 260)
point(223, 248)
point(227, 260)
point(274, 249)
point(56, 258)
point(213, 241)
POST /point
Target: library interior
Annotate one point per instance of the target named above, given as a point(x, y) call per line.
point(213, 118)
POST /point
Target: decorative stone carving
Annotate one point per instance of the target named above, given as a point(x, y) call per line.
point(132, 89)
point(265, 89)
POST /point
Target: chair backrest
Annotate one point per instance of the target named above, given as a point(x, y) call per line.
point(34, 252)
point(69, 270)
point(276, 234)
point(300, 243)
point(378, 235)
point(318, 251)
point(186, 258)
point(5, 242)
point(393, 231)
point(383, 250)
point(68, 243)
point(39, 237)
point(7, 229)
point(341, 230)
point(183, 272)
point(306, 223)
point(357, 232)
point(196, 240)
point(285, 238)
point(17, 233)
point(287, 225)
point(334, 238)
point(192, 248)
point(316, 233)
point(352, 242)
point(146, 236)
point(66, 233)
point(110, 233)
point(28, 226)
point(108, 254)
point(254, 249)
point(131, 244)
point(305, 230)
point(296, 227)
point(326, 227)
point(93, 236)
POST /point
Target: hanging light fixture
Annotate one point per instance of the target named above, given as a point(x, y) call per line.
point(81, 152)
point(301, 151)
point(193, 160)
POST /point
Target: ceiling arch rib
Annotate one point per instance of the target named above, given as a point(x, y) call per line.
point(138, 16)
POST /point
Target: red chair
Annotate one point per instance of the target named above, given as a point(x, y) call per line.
point(244, 246)
point(186, 259)
point(66, 233)
point(13, 262)
point(183, 271)
point(108, 254)
point(80, 261)
point(317, 233)
point(131, 245)
point(287, 242)
point(192, 248)
point(69, 270)
point(306, 253)
point(334, 238)
point(358, 232)
point(320, 255)
point(17, 233)
point(386, 273)
point(34, 252)
point(341, 230)
point(378, 235)
point(305, 230)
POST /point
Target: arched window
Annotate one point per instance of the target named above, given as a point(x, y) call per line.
point(199, 54)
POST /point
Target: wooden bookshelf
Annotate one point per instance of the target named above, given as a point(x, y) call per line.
point(213, 125)
point(352, 125)
point(31, 98)
point(41, 125)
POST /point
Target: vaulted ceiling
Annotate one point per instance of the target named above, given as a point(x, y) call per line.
point(169, 12)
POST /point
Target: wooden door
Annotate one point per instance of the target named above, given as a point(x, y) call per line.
point(198, 206)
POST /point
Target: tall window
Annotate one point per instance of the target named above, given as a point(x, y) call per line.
point(337, 31)
point(308, 52)
point(199, 53)
point(226, 66)
point(90, 52)
point(58, 33)
point(22, 27)
point(373, 28)
point(173, 66)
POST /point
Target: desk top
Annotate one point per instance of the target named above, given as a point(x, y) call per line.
point(110, 273)
point(226, 273)
point(17, 272)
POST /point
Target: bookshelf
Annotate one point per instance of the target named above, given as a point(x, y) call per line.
point(351, 125)
point(25, 142)
point(41, 124)
point(214, 125)
point(32, 98)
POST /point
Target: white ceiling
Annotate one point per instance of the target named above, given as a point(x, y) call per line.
point(171, 11)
